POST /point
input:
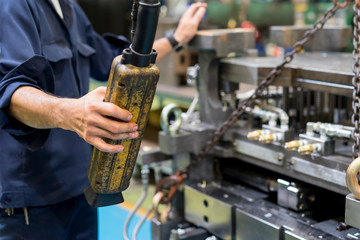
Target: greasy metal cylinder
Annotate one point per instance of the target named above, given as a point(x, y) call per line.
point(146, 27)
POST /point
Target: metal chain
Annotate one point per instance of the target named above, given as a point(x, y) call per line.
point(297, 47)
point(356, 82)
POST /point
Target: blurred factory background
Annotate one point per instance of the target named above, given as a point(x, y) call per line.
point(306, 188)
point(115, 17)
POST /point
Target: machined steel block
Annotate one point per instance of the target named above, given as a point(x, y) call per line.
point(352, 209)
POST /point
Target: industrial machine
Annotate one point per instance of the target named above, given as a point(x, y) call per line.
point(275, 169)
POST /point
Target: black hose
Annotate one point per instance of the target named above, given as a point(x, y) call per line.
point(145, 16)
point(134, 15)
point(146, 25)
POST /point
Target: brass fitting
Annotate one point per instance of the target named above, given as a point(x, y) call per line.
point(295, 144)
point(309, 149)
point(269, 138)
point(255, 135)
point(266, 138)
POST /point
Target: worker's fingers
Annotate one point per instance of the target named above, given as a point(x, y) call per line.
point(199, 14)
point(102, 133)
point(112, 126)
point(101, 91)
point(100, 144)
point(111, 110)
point(120, 136)
point(123, 136)
point(189, 23)
point(96, 139)
point(107, 109)
point(94, 135)
point(192, 9)
point(94, 103)
point(115, 127)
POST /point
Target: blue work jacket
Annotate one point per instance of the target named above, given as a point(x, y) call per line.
point(37, 48)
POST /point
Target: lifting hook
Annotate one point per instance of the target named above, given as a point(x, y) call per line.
point(352, 177)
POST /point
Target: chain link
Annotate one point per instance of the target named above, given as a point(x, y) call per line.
point(297, 47)
point(356, 82)
point(343, 5)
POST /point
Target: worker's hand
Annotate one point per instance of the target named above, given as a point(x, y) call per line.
point(95, 119)
point(189, 22)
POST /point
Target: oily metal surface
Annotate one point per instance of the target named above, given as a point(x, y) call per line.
point(331, 38)
point(328, 72)
point(251, 210)
point(131, 88)
point(224, 41)
point(327, 172)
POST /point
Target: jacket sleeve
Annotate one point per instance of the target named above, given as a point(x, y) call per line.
point(21, 65)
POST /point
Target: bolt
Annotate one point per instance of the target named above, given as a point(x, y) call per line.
point(311, 198)
point(301, 206)
point(342, 227)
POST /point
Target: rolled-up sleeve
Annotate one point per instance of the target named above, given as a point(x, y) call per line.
point(21, 64)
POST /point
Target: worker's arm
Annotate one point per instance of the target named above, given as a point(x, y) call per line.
point(185, 31)
point(90, 117)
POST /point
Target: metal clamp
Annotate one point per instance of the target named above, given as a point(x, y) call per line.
point(352, 179)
